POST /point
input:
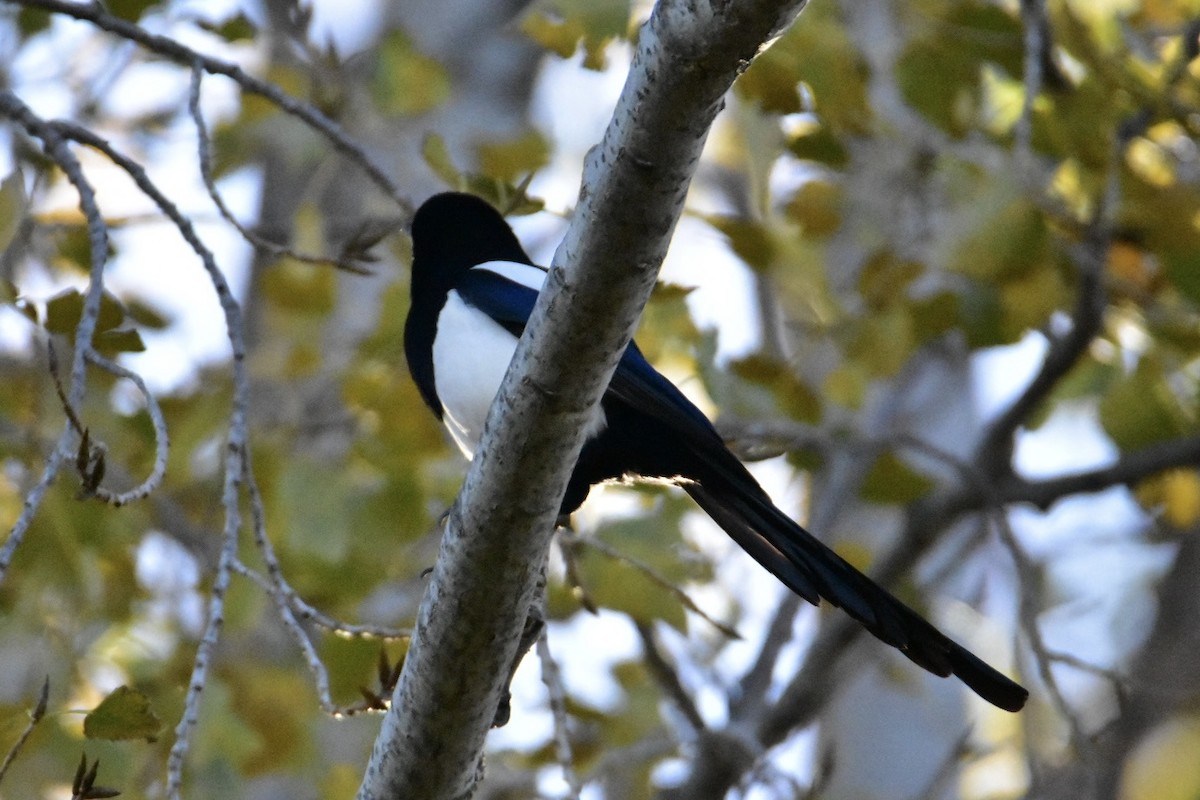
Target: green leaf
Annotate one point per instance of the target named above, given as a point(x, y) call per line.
point(235, 29)
point(618, 579)
point(891, 481)
point(934, 315)
point(508, 197)
point(819, 54)
point(313, 507)
point(941, 75)
point(561, 25)
point(1086, 380)
point(620, 586)
point(124, 714)
point(1183, 269)
point(146, 315)
point(982, 316)
point(407, 81)
point(64, 310)
point(437, 158)
point(119, 341)
point(793, 396)
point(883, 341)
point(885, 279)
point(75, 246)
point(511, 159)
point(32, 21)
point(1140, 409)
point(1028, 301)
point(14, 207)
point(816, 207)
point(1007, 243)
point(820, 144)
point(299, 287)
point(129, 10)
point(749, 239)
point(846, 385)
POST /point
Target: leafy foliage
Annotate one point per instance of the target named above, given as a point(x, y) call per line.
point(891, 199)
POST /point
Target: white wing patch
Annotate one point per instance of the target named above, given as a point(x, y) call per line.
point(471, 353)
point(524, 274)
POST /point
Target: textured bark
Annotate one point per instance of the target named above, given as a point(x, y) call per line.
point(634, 186)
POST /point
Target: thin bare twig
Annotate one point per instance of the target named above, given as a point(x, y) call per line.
point(204, 148)
point(275, 585)
point(1041, 493)
point(1033, 21)
point(309, 613)
point(235, 452)
point(1027, 613)
point(754, 685)
point(667, 678)
point(656, 577)
point(557, 695)
point(919, 536)
point(994, 453)
point(648, 748)
point(1126, 471)
point(35, 716)
point(55, 145)
point(161, 441)
point(172, 49)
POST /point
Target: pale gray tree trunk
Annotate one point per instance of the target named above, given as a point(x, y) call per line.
point(481, 590)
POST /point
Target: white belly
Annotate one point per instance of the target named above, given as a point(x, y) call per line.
point(471, 353)
point(470, 356)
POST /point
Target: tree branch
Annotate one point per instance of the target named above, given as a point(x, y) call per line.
point(236, 447)
point(996, 447)
point(634, 185)
point(95, 13)
point(1128, 470)
point(54, 144)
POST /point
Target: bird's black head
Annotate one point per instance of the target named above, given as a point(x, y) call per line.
point(453, 232)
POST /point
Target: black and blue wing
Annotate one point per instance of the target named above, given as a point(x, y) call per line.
point(654, 431)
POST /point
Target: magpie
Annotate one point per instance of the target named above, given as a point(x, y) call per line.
point(474, 287)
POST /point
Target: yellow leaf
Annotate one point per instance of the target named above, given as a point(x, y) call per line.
point(511, 159)
point(298, 287)
point(795, 397)
point(1150, 162)
point(890, 480)
point(1181, 497)
point(884, 342)
point(1007, 243)
point(1164, 766)
point(437, 158)
point(13, 207)
point(750, 240)
point(1132, 265)
point(407, 81)
point(561, 25)
point(817, 207)
point(559, 36)
point(847, 385)
point(1029, 300)
point(1140, 409)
